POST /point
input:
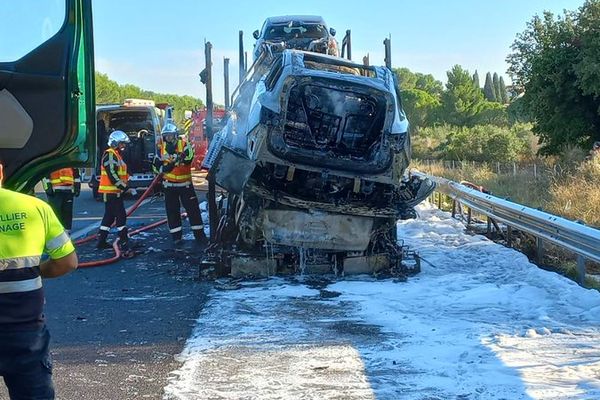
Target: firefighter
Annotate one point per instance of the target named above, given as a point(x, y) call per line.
point(28, 228)
point(113, 185)
point(174, 162)
point(61, 187)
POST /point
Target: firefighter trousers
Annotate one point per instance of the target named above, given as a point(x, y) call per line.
point(177, 196)
point(62, 204)
point(114, 211)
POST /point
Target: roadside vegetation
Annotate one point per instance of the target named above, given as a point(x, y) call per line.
point(569, 191)
point(528, 141)
point(110, 92)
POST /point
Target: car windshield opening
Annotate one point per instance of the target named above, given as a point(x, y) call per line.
point(294, 31)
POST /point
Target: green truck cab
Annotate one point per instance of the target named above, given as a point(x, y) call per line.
point(47, 106)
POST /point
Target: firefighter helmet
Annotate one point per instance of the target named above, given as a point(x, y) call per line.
point(117, 137)
point(170, 129)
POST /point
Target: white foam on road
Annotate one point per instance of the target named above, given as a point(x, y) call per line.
point(479, 322)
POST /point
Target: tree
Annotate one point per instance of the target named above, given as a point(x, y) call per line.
point(555, 62)
point(503, 92)
point(497, 92)
point(109, 91)
point(517, 112)
point(419, 107)
point(491, 113)
point(586, 69)
point(462, 100)
point(488, 88)
point(476, 79)
point(406, 79)
point(429, 84)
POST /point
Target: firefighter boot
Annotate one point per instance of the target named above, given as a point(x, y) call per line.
point(177, 239)
point(200, 237)
point(124, 238)
point(102, 243)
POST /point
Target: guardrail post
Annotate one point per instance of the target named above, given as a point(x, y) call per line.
point(453, 208)
point(440, 200)
point(509, 236)
point(540, 250)
point(580, 270)
point(489, 225)
point(469, 215)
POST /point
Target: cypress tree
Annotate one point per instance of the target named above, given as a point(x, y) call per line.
point(497, 90)
point(476, 79)
point(488, 88)
point(503, 92)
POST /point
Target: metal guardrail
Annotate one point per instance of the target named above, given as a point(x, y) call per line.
point(578, 238)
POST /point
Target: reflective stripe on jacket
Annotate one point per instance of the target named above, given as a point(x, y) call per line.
point(113, 172)
point(64, 179)
point(182, 172)
point(28, 228)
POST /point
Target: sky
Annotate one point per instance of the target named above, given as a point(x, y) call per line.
point(479, 322)
point(159, 45)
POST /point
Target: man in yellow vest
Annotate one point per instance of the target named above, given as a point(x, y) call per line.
point(28, 228)
point(61, 187)
point(174, 162)
point(113, 184)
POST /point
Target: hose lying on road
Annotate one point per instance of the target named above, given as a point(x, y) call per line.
point(116, 248)
point(115, 245)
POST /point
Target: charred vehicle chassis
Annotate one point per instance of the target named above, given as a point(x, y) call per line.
point(313, 157)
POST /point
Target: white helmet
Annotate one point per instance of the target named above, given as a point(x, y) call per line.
point(117, 137)
point(169, 129)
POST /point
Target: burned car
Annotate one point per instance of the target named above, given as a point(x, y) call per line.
point(301, 32)
point(313, 156)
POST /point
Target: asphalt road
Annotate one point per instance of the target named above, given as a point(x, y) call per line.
point(116, 329)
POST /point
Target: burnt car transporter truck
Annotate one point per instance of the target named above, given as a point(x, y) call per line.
point(313, 156)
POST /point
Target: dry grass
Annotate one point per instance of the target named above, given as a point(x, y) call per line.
point(524, 189)
point(572, 193)
point(578, 196)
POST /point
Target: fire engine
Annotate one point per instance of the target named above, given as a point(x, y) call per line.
point(197, 134)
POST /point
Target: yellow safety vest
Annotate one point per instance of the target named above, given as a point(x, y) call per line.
point(28, 228)
point(181, 173)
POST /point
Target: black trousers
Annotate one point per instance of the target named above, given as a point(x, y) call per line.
point(62, 204)
point(175, 197)
point(25, 364)
point(114, 211)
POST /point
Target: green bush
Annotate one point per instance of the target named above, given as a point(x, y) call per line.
point(491, 114)
point(428, 143)
point(484, 143)
point(479, 143)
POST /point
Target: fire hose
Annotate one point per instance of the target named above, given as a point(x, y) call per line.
point(118, 254)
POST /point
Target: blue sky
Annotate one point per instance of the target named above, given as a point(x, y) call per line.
point(159, 45)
